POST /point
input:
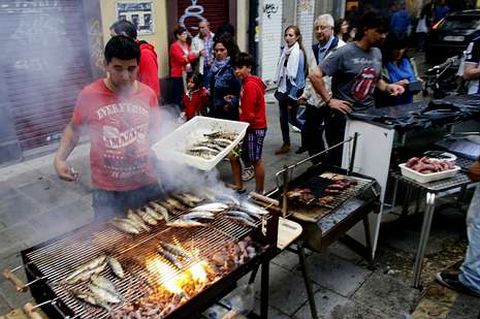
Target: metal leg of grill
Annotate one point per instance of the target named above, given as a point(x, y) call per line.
point(264, 292)
point(308, 285)
point(427, 222)
point(368, 241)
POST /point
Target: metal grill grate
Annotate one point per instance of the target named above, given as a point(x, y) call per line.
point(56, 260)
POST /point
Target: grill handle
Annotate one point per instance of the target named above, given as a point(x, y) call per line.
point(264, 199)
point(10, 276)
point(31, 311)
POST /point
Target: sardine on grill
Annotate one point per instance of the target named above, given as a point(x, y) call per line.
point(90, 298)
point(174, 203)
point(124, 226)
point(147, 217)
point(160, 209)
point(185, 223)
point(249, 207)
point(86, 274)
point(116, 267)
point(211, 207)
point(87, 269)
point(198, 215)
point(174, 250)
point(192, 198)
point(138, 221)
point(153, 213)
point(103, 294)
point(242, 220)
point(169, 257)
point(104, 283)
point(240, 214)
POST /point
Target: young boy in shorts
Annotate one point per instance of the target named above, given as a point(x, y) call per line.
point(252, 111)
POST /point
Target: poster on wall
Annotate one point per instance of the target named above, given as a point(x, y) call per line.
point(139, 13)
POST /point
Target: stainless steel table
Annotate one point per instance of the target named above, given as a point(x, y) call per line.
point(460, 181)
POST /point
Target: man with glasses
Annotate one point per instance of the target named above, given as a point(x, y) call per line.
point(202, 46)
point(312, 131)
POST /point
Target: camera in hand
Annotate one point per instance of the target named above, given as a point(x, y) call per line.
point(414, 87)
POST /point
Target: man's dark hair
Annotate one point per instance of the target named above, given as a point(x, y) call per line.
point(124, 27)
point(178, 31)
point(123, 48)
point(371, 19)
point(243, 59)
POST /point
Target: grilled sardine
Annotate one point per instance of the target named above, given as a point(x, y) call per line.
point(147, 217)
point(104, 294)
point(116, 267)
point(169, 257)
point(94, 263)
point(185, 223)
point(174, 250)
point(90, 298)
point(125, 226)
point(211, 207)
point(160, 209)
point(131, 215)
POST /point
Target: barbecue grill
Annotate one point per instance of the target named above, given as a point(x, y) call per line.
point(324, 224)
point(48, 263)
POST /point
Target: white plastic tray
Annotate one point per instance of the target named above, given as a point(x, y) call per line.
point(174, 145)
point(427, 178)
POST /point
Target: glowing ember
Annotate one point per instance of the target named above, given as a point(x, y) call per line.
point(166, 274)
point(198, 271)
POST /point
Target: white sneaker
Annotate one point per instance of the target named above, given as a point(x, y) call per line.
point(296, 129)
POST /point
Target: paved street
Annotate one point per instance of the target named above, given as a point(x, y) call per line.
point(37, 206)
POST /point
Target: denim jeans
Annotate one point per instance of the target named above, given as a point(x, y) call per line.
point(108, 204)
point(470, 270)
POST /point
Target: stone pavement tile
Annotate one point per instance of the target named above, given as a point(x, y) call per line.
point(17, 208)
point(287, 292)
point(272, 312)
point(16, 238)
point(26, 176)
point(48, 193)
point(325, 301)
point(4, 307)
point(352, 310)
point(62, 219)
point(12, 261)
point(334, 273)
point(10, 295)
point(12, 171)
point(6, 190)
point(387, 294)
point(287, 260)
point(342, 251)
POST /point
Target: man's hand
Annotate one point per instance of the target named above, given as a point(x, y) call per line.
point(340, 105)
point(403, 82)
point(474, 171)
point(395, 89)
point(65, 171)
point(302, 101)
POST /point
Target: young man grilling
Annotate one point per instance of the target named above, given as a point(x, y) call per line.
point(117, 112)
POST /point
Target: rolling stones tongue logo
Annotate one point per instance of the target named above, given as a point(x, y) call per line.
point(364, 83)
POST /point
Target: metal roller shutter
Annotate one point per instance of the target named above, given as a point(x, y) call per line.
point(271, 38)
point(44, 63)
point(305, 18)
point(215, 11)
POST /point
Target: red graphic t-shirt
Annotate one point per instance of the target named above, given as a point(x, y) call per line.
point(119, 132)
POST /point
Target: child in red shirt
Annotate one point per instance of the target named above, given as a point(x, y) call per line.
point(196, 97)
point(252, 111)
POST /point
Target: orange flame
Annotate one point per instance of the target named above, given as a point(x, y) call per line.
point(198, 272)
point(166, 274)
